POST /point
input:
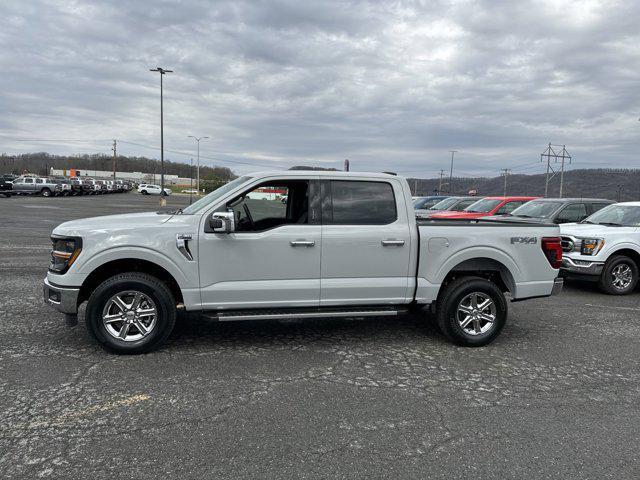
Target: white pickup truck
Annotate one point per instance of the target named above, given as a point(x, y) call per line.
point(605, 247)
point(342, 245)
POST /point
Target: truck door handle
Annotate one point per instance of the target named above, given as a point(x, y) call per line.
point(302, 243)
point(392, 243)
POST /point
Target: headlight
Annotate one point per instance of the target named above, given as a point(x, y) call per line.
point(591, 246)
point(64, 253)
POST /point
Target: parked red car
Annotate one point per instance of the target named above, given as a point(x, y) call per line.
point(487, 206)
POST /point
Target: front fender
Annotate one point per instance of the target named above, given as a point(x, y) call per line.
point(139, 253)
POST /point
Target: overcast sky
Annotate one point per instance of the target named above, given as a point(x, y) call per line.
point(389, 85)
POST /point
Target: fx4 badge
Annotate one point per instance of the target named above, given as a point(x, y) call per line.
point(524, 240)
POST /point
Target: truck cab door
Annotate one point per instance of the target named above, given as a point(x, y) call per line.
point(366, 243)
point(272, 257)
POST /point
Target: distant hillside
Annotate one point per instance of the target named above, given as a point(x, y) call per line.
point(40, 163)
point(600, 183)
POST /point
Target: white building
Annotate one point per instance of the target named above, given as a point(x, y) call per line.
point(138, 177)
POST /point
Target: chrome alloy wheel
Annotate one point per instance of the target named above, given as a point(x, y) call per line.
point(621, 276)
point(129, 316)
point(476, 313)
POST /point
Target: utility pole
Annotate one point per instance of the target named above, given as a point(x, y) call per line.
point(162, 73)
point(620, 188)
point(549, 153)
point(453, 152)
point(115, 154)
point(197, 139)
point(564, 154)
point(440, 182)
point(415, 187)
point(505, 172)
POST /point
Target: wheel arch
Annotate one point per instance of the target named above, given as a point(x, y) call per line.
point(484, 267)
point(113, 267)
point(628, 252)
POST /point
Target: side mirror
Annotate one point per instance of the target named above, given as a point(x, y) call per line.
point(222, 222)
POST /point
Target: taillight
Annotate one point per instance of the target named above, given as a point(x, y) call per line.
point(552, 249)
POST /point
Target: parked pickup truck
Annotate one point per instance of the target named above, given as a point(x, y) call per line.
point(342, 245)
point(6, 185)
point(36, 186)
point(605, 247)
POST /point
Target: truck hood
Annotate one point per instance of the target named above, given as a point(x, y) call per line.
point(111, 223)
point(590, 230)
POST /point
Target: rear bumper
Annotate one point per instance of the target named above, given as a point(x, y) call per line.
point(63, 299)
point(581, 267)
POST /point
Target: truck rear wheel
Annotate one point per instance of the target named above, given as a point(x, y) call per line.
point(131, 313)
point(471, 311)
point(619, 276)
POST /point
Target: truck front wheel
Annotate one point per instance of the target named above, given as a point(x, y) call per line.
point(471, 311)
point(619, 276)
point(131, 313)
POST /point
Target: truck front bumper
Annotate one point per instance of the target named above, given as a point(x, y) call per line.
point(63, 299)
point(581, 267)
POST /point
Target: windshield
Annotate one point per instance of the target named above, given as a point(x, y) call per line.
point(536, 209)
point(213, 196)
point(445, 204)
point(617, 215)
point(424, 203)
point(483, 206)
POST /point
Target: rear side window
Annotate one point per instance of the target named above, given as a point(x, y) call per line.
point(362, 203)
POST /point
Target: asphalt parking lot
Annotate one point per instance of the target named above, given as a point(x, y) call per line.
point(556, 396)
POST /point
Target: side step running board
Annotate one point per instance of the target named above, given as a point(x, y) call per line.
point(303, 313)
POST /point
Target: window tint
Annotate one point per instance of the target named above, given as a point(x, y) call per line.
point(508, 207)
point(362, 203)
point(572, 213)
point(28, 180)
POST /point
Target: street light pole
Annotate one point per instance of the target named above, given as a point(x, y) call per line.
point(162, 72)
point(453, 152)
point(198, 162)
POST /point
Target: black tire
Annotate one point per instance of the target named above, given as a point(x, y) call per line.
point(451, 298)
point(148, 285)
point(607, 279)
point(45, 192)
point(144, 192)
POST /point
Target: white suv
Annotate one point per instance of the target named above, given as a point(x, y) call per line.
point(605, 247)
point(147, 189)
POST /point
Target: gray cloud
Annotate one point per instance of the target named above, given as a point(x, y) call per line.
point(390, 85)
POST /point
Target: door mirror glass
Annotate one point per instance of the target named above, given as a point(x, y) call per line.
point(222, 222)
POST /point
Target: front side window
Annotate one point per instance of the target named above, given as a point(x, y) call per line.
point(271, 205)
point(572, 213)
point(362, 203)
point(28, 180)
